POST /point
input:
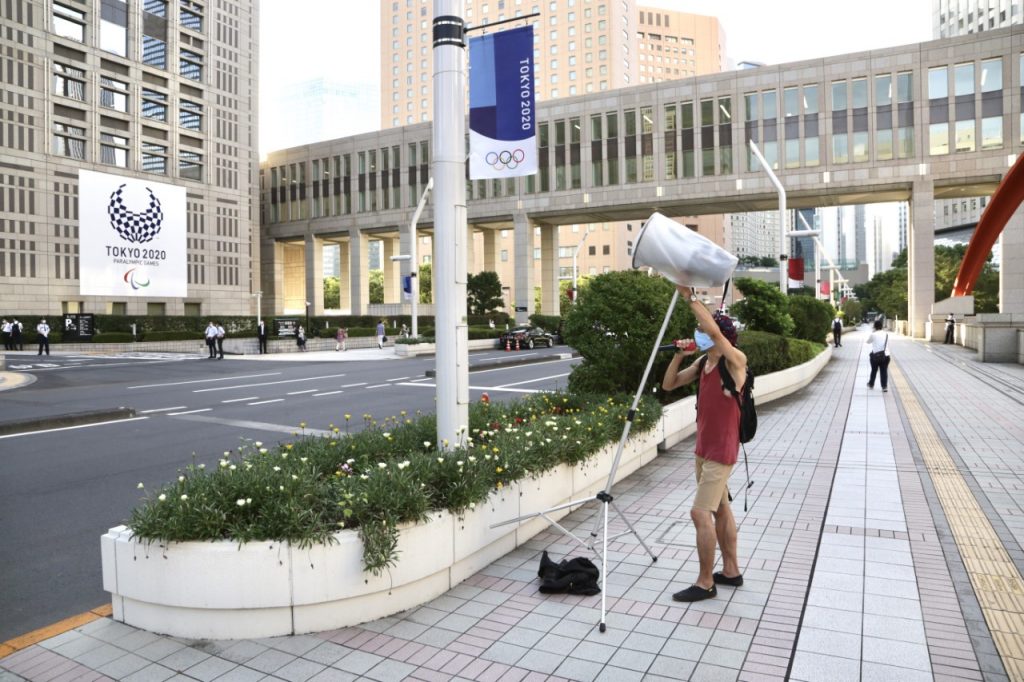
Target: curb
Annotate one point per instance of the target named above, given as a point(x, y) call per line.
point(497, 364)
point(12, 380)
point(64, 420)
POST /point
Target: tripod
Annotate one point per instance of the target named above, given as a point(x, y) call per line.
point(605, 496)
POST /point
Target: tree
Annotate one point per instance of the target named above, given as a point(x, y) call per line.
point(763, 308)
point(853, 311)
point(332, 293)
point(811, 318)
point(376, 286)
point(614, 325)
point(425, 276)
point(483, 293)
point(758, 262)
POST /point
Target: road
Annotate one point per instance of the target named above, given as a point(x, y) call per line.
point(61, 489)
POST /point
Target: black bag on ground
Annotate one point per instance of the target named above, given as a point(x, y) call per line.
point(569, 576)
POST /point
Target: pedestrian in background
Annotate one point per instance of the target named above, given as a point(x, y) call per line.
point(879, 356)
point(950, 328)
point(220, 341)
point(300, 339)
point(211, 340)
point(16, 338)
point(380, 334)
point(43, 330)
point(5, 329)
point(837, 331)
point(339, 338)
point(261, 336)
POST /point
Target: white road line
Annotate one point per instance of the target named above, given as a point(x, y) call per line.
point(351, 385)
point(104, 365)
point(378, 386)
point(264, 402)
point(398, 379)
point(238, 400)
point(423, 379)
point(68, 428)
point(516, 367)
point(262, 426)
point(175, 414)
point(163, 409)
point(317, 395)
point(311, 390)
point(266, 383)
point(482, 388)
point(204, 381)
point(530, 381)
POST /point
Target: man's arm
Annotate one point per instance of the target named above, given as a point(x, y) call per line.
point(734, 357)
point(674, 378)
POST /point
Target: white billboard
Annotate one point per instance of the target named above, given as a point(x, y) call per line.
point(131, 237)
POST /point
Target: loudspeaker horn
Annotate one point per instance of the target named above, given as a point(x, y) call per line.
point(681, 255)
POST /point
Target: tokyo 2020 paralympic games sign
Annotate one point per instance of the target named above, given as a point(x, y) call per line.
point(502, 113)
point(131, 237)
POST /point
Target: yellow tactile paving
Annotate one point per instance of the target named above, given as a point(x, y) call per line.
point(997, 582)
point(10, 646)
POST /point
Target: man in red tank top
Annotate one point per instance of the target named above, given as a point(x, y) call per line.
point(718, 442)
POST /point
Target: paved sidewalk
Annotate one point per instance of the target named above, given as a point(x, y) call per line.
point(883, 542)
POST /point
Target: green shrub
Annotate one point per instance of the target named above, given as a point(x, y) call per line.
point(812, 319)
point(763, 307)
point(386, 474)
point(112, 337)
point(484, 333)
point(614, 325)
point(549, 323)
point(174, 336)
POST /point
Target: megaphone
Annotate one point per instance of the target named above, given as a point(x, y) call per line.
point(681, 255)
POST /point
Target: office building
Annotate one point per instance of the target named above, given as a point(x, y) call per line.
point(960, 17)
point(158, 90)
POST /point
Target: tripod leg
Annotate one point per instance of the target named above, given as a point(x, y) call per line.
point(604, 568)
point(633, 531)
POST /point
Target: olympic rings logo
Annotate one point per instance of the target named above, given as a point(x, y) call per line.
point(505, 159)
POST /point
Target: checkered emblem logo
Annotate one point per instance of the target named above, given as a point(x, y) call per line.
point(135, 227)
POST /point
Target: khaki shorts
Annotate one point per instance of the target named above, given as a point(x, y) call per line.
point(712, 484)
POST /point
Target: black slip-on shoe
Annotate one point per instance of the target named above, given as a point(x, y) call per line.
point(722, 579)
point(695, 593)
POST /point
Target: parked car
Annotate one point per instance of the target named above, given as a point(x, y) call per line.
point(528, 337)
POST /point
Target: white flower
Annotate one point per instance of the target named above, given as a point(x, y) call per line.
point(184, 497)
point(284, 455)
point(402, 465)
point(240, 502)
point(181, 479)
point(258, 444)
point(294, 477)
point(382, 465)
point(440, 460)
point(472, 505)
point(248, 500)
point(350, 461)
point(364, 477)
point(472, 459)
point(202, 466)
point(277, 468)
point(303, 459)
point(386, 434)
point(162, 497)
point(459, 463)
point(232, 467)
point(280, 487)
point(263, 451)
point(426, 443)
point(223, 463)
point(140, 486)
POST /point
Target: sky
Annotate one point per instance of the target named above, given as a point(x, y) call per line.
point(339, 39)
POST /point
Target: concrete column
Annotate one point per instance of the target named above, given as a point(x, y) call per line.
point(315, 274)
point(490, 252)
point(359, 272)
point(272, 276)
point(549, 289)
point(523, 279)
point(344, 272)
point(294, 278)
point(392, 270)
point(1011, 266)
point(921, 257)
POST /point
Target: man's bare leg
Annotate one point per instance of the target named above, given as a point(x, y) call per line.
point(704, 524)
point(725, 532)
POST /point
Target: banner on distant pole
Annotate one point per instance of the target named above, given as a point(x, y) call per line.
point(796, 273)
point(502, 112)
point(826, 289)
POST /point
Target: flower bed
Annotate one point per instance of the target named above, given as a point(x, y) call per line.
point(280, 565)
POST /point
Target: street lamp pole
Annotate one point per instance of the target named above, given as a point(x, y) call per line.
point(259, 307)
point(574, 254)
point(783, 247)
point(414, 281)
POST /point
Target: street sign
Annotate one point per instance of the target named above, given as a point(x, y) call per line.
point(78, 326)
point(286, 326)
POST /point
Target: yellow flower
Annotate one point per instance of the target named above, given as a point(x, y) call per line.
point(498, 470)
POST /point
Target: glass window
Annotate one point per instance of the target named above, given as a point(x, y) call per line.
point(810, 99)
point(192, 15)
point(191, 115)
point(791, 102)
point(811, 152)
point(68, 81)
point(883, 90)
point(190, 165)
point(154, 104)
point(707, 112)
point(191, 65)
point(113, 149)
point(860, 146)
point(905, 148)
point(965, 136)
point(154, 158)
point(750, 106)
point(770, 105)
point(992, 75)
point(838, 95)
point(154, 52)
point(840, 153)
point(883, 144)
point(68, 140)
point(114, 27)
point(905, 87)
point(938, 83)
point(938, 139)
point(859, 88)
point(792, 153)
point(69, 22)
point(113, 94)
point(963, 77)
point(992, 132)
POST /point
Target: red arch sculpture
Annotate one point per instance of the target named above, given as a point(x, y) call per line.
point(1005, 200)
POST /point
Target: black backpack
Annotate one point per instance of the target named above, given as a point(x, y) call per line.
point(748, 410)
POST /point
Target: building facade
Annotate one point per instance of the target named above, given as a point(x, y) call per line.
point(151, 89)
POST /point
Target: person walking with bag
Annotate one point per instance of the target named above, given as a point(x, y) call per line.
point(950, 328)
point(879, 356)
point(837, 332)
point(339, 338)
point(381, 339)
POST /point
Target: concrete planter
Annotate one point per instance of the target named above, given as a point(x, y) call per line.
point(411, 350)
point(223, 590)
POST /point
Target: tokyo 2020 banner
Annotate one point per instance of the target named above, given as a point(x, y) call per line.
point(131, 237)
point(502, 113)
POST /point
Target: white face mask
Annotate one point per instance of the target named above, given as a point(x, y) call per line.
point(703, 341)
